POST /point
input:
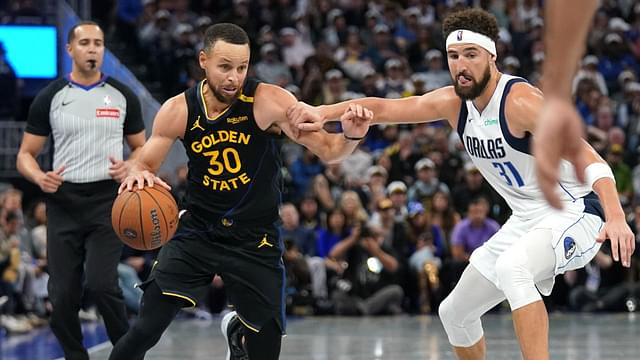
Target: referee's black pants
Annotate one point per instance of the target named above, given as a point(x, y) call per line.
point(81, 244)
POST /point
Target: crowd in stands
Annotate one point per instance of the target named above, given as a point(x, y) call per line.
point(390, 229)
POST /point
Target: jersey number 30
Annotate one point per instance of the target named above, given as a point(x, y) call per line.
point(512, 169)
point(230, 161)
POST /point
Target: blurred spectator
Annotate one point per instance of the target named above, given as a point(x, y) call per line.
point(397, 193)
point(369, 285)
point(443, 214)
point(310, 216)
point(474, 186)
point(511, 66)
point(355, 165)
point(602, 286)
point(436, 75)
point(270, 69)
point(351, 56)
point(304, 239)
point(622, 174)
point(375, 188)
point(335, 231)
point(427, 182)
point(396, 84)
point(295, 49)
point(351, 206)
point(472, 231)
point(616, 59)
point(382, 48)
point(403, 157)
point(303, 170)
point(589, 70)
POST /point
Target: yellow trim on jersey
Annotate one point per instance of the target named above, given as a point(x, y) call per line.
point(204, 104)
point(244, 98)
point(181, 297)
point(247, 325)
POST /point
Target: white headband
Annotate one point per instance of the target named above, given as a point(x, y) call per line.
point(470, 37)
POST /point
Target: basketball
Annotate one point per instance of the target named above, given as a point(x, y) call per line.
point(145, 219)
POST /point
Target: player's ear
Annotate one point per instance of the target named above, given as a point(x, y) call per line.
point(202, 59)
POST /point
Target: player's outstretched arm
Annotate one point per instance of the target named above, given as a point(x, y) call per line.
point(522, 111)
point(168, 125)
point(436, 105)
point(270, 110)
point(560, 126)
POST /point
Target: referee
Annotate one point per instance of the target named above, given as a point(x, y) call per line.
point(87, 114)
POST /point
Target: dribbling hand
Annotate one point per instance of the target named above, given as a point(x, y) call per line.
point(141, 178)
point(50, 181)
point(558, 135)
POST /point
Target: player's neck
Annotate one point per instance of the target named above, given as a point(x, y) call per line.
point(214, 106)
point(86, 79)
point(482, 101)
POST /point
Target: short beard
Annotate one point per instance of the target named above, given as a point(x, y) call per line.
point(222, 98)
point(476, 89)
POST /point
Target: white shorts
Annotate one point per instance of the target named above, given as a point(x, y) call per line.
point(573, 239)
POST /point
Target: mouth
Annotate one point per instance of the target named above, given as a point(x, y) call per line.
point(464, 80)
point(229, 90)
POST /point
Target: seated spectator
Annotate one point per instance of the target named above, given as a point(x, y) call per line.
point(443, 214)
point(602, 285)
point(303, 238)
point(470, 233)
point(270, 69)
point(427, 182)
point(369, 285)
point(473, 230)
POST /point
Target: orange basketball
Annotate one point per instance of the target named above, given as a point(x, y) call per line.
point(145, 219)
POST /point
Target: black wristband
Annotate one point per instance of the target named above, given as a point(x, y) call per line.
point(353, 138)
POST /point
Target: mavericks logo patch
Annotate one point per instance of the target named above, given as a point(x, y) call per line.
point(569, 247)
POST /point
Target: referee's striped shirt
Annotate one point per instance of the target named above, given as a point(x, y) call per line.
point(87, 123)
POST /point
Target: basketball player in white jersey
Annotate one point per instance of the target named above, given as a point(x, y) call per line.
point(495, 115)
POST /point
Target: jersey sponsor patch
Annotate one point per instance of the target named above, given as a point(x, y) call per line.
point(108, 113)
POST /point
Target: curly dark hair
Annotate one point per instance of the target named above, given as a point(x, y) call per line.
point(476, 20)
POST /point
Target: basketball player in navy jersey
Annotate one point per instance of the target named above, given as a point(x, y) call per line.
point(228, 125)
point(496, 117)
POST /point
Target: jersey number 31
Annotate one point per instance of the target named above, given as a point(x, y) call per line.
point(505, 167)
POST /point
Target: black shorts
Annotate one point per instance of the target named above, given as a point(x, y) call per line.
point(247, 257)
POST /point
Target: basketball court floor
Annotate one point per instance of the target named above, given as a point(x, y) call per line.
point(573, 337)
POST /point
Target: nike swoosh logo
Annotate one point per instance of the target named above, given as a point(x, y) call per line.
point(66, 103)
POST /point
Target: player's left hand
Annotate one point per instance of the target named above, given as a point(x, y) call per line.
point(118, 169)
point(305, 117)
point(558, 135)
point(623, 242)
point(356, 120)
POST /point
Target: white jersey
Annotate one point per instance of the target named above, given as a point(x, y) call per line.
point(505, 161)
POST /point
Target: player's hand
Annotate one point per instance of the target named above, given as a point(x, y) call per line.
point(118, 170)
point(623, 242)
point(558, 136)
point(356, 120)
point(50, 181)
point(305, 117)
point(141, 178)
